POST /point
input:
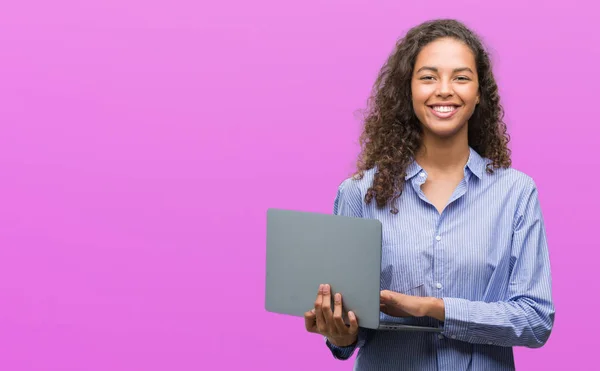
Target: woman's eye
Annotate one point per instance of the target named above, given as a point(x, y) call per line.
point(431, 78)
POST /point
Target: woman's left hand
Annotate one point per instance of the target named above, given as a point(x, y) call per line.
point(396, 304)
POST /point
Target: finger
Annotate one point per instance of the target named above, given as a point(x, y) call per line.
point(326, 306)
point(384, 296)
point(338, 320)
point(390, 298)
point(353, 323)
point(310, 321)
point(321, 324)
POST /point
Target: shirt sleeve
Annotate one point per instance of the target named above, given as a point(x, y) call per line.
point(348, 202)
point(344, 353)
point(526, 316)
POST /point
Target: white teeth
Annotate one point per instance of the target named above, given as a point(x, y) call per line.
point(443, 108)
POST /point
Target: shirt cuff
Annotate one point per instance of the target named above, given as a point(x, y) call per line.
point(456, 321)
point(341, 353)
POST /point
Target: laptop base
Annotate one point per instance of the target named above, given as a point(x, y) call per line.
point(400, 327)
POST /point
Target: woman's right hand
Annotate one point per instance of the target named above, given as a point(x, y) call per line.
point(322, 320)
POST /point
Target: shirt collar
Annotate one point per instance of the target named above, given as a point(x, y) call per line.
point(475, 164)
point(412, 169)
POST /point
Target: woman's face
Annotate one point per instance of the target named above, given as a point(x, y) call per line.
point(445, 87)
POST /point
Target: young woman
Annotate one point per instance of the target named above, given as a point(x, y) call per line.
point(464, 245)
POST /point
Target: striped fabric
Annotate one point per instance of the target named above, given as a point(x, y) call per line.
point(485, 256)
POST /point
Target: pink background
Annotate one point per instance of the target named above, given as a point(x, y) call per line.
point(142, 141)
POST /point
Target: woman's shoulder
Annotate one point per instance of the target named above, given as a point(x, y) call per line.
point(351, 192)
point(512, 176)
point(516, 184)
point(355, 184)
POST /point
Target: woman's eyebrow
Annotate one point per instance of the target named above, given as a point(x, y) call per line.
point(434, 69)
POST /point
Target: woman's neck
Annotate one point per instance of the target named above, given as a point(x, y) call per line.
point(443, 154)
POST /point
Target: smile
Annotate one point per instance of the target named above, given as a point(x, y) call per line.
point(443, 112)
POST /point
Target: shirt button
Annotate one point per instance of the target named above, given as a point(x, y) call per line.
point(422, 174)
point(489, 343)
point(453, 336)
point(440, 336)
point(438, 285)
point(438, 238)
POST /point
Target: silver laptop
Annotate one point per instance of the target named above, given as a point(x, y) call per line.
point(305, 249)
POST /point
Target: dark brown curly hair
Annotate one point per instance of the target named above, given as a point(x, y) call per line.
point(392, 133)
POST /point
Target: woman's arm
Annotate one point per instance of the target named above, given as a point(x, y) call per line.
point(526, 316)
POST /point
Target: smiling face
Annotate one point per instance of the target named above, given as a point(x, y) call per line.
point(445, 88)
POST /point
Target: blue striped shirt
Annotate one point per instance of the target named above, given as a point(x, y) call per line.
point(485, 255)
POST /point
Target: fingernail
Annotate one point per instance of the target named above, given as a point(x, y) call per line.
point(320, 287)
point(338, 297)
point(326, 288)
point(351, 315)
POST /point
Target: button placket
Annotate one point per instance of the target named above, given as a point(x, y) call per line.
point(438, 257)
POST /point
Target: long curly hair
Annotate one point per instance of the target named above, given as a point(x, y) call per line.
point(392, 133)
